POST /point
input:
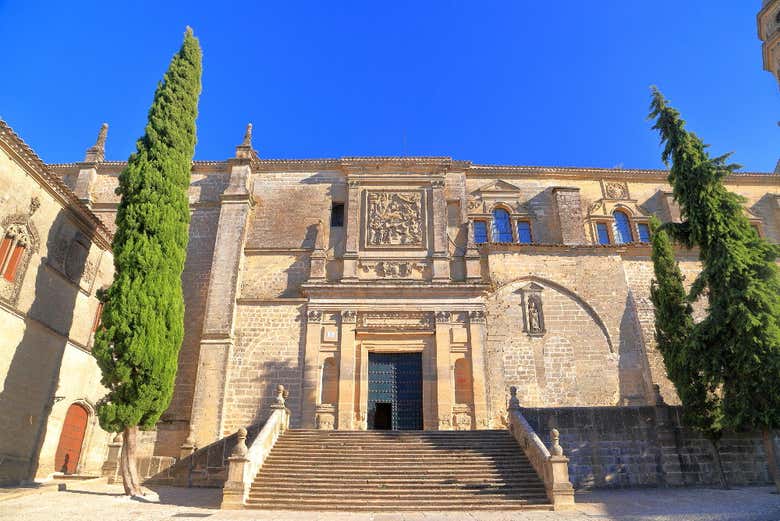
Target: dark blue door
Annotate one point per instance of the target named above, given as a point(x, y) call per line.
point(395, 383)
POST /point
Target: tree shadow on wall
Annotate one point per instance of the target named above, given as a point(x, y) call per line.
point(30, 387)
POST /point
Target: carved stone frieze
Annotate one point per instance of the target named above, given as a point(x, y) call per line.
point(394, 219)
point(461, 417)
point(314, 316)
point(325, 417)
point(443, 317)
point(397, 320)
point(393, 269)
point(478, 317)
point(348, 316)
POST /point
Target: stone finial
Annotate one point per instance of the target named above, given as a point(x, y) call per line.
point(556, 449)
point(97, 152)
point(514, 403)
point(247, 136)
point(35, 203)
point(245, 149)
point(240, 450)
point(281, 396)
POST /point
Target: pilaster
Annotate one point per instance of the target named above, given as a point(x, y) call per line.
point(472, 257)
point(311, 369)
point(217, 339)
point(441, 261)
point(347, 370)
point(477, 344)
point(353, 230)
point(444, 392)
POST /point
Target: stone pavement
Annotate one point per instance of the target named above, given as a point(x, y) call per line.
point(87, 501)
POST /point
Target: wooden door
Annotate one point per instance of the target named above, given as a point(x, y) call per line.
point(71, 439)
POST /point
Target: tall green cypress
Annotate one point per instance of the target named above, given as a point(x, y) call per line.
point(138, 345)
point(673, 327)
point(736, 348)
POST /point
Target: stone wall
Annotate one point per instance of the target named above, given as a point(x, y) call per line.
point(612, 447)
point(268, 352)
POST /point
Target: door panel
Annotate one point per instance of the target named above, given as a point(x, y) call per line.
point(395, 379)
point(71, 439)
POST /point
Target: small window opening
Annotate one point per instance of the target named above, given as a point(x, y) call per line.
point(644, 232)
point(603, 233)
point(337, 215)
point(480, 232)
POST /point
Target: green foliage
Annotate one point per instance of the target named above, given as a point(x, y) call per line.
point(673, 327)
point(736, 348)
point(143, 319)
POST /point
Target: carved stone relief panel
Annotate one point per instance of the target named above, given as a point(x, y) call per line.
point(615, 190)
point(392, 269)
point(394, 219)
point(396, 320)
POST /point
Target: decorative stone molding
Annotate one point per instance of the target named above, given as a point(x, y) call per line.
point(397, 320)
point(437, 183)
point(314, 316)
point(325, 417)
point(461, 417)
point(445, 423)
point(20, 228)
point(394, 219)
point(348, 316)
point(394, 269)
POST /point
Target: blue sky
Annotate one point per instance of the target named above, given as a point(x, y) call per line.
point(517, 82)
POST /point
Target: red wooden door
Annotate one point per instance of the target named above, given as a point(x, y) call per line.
point(69, 449)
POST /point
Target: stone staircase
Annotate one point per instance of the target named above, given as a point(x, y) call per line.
point(397, 470)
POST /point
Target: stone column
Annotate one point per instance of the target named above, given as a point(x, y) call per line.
point(353, 230)
point(443, 371)
point(568, 210)
point(217, 339)
point(347, 371)
point(477, 344)
point(311, 369)
point(441, 261)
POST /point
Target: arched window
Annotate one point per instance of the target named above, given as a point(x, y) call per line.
point(463, 381)
point(502, 226)
point(11, 250)
point(329, 390)
point(622, 227)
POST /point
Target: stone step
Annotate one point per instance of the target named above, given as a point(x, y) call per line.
point(448, 479)
point(399, 488)
point(388, 459)
point(379, 466)
point(397, 505)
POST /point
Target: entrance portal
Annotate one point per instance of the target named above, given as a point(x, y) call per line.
point(66, 459)
point(395, 391)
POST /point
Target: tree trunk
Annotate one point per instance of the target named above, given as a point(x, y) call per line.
point(769, 448)
point(719, 464)
point(127, 465)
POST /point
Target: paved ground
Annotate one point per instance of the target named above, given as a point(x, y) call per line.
point(87, 501)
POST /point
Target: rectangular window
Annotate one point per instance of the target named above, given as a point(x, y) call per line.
point(603, 233)
point(337, 215)
point(13, 263)
point(480, 232)
point(524, 232)
point(644, 232)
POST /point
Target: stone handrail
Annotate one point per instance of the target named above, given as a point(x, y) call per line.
point(245, 462)
point(553, 467)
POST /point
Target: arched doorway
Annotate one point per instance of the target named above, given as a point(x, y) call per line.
point(66, 459)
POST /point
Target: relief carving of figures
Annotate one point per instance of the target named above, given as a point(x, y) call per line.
point(394, 219)
point(393, 269)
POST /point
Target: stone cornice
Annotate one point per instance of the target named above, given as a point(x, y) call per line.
point(439, 164)
point(393, 289)
point(33, 164)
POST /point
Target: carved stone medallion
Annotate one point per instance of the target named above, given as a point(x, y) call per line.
point(615, 190)
point(394, 219)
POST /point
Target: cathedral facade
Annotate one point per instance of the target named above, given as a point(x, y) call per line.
point(413, 292)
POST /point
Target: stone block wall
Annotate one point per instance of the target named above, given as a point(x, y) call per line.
point(614, 447)
point(268, 351)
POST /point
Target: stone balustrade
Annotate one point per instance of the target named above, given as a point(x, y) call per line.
point(245, 462)
point(551, 465)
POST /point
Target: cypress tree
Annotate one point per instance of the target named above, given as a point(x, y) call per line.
point(673, 327)
point(138, 345)
point(735, 350)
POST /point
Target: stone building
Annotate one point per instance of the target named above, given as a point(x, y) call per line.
point(769, 34)
point(412, 292)
point(54, 256)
